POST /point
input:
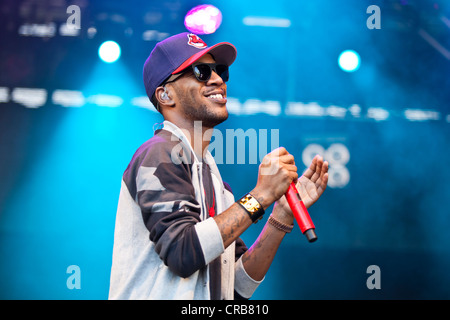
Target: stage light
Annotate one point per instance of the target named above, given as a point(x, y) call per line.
point(349, 61)
point(47, 30)
point(203, 19)
point(109, 51)
point(105, 100)
point(30, 97)
point(378, 114)
point(266, 22)
point(422, 115)
point(4, 94)
point(68, 98)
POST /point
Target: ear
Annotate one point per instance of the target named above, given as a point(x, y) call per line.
point(164, 96)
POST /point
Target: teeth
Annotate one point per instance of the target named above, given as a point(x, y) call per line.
point(216, 96)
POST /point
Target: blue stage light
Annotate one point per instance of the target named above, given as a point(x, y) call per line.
point(109, 51)
point(349, 60)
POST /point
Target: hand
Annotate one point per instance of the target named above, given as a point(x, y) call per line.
point(310, 186)
point(313, 182)
point(276, 172)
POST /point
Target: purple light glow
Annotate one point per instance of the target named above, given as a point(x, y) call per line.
point(203, 19)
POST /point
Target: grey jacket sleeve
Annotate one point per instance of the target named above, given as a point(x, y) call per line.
point(164, 192)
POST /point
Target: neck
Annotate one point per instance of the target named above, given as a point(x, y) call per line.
point(199, 138)
point(198, 135)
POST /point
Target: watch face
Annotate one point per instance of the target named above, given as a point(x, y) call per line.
point(250, 203)
point(252, 206)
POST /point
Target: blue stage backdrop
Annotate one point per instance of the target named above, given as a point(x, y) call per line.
point(70, 123)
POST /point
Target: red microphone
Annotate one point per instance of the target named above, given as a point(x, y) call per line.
point(300, 213)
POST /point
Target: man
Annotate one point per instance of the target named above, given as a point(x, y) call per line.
point(178, 224)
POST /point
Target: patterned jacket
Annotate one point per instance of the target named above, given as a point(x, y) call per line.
point(164, 239)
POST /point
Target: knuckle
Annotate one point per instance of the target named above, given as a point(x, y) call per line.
point(266, 158)
point(290, 159)
point(275, 162)
point(284, 172)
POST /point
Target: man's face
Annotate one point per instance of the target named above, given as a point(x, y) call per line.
point(201, 101)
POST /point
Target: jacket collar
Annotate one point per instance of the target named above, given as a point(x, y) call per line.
point(179, 133)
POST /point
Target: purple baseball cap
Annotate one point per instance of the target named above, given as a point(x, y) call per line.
point(178, 52)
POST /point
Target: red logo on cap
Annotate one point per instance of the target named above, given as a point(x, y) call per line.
point(195, 41)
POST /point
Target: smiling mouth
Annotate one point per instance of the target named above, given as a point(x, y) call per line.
point(215, 96)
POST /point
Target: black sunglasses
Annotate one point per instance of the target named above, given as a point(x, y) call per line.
point(203, 71)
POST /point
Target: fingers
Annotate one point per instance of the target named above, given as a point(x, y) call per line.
point(322, 180)
point(313, 172)
point(279, 159)
point(291, 172)
point(279, 152)
point(318, 168)
point(324, 169)
point(321, 167)
point(281, 156)
point(324, 183)
point(276, 172)
point(311, 169)
point(317, 171)
point(324, 177)
point(288, 159)
point(314, 181)
point(287, 162)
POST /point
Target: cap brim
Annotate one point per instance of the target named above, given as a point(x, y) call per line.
point(224, 53)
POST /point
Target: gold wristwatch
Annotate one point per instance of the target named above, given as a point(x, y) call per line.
point(252, 206)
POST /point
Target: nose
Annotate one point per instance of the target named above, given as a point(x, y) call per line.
point(215, 79)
